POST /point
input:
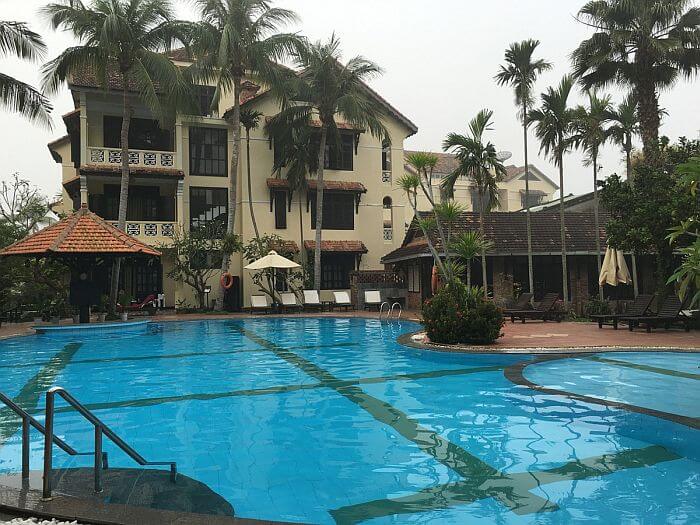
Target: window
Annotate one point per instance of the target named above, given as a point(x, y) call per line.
point(340, 159)
point(205, 96)
point(145, 204)
point(280, 200)
point(208, 151)
point(209, 206)
point(535, 199)
point(413, 278)
point(386, 203)
point(338, 211)
point(386, 156)
point(203, 260)
point(335, 270)
point(143, 134)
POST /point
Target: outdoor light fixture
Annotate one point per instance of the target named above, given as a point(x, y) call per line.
point(207, 291)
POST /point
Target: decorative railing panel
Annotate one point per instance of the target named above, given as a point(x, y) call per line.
point(150, 159)
point(150, 231)
point(388, 234)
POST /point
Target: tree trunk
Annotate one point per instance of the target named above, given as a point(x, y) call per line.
point(649, 121)
point(302, 252)
point(530, 270)
point(596, 220)
point(124, 188)
point(628, 158)
point(469, 273)
point(484, 276)
point(250, 185)
point(319, 206)
point(233, 169)
point(562, 226)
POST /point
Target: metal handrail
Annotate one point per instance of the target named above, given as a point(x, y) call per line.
point(381, 310)
point(392, 310)
point(27, 421)
point(100, 430)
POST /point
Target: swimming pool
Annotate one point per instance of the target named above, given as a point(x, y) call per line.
point(324, 420)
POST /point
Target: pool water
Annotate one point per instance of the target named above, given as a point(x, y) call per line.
point(322, 420)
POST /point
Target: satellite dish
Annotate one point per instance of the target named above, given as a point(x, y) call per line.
point(503, 155)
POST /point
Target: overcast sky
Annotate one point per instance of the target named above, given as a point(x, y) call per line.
point(439, 59)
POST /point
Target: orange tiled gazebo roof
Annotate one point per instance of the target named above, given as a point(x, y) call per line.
point(83, 232)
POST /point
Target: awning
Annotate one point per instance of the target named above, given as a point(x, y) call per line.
point(338, 246)
point(95, 169)
point(328, 185)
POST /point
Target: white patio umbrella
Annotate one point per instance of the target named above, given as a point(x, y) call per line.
point(614, 269)
point(272, 260)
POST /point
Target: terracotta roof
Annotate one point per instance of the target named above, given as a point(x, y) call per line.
point(284, 246)
point(317, 124)
point(338, 246)
point(329, 185)
point(83, 232)
point(87, 77)
point(508, 232)
point(180, 54)
point(98, 169)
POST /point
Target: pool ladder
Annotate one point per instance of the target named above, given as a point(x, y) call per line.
point(101, 429)
point(390, 310)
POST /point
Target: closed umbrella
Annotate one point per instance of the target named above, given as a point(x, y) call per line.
point(614, 269)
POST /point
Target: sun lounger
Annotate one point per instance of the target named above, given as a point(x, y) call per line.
point(289, 301)
point(669, 313)
point(544, 311)
point(312, 301)
point(522, 303)
point(147, 304)
point(258, 303)
point(638, 308)
point(342, 300)
point(373, 299)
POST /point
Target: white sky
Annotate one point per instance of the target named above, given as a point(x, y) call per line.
point(439, 60)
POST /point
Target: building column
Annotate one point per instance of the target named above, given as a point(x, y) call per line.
point(83, 129)
point(180, 204)
point(179, 144)
point(83, 191)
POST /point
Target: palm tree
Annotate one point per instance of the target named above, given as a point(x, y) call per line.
point(326, 89)
point(590, 134)
point(643, 45)
point(521, 71)
point(250, 119)
point(18, 40)
point(467, 246)
point(480, 163)
point(125, 37)
point(624, 124)
point(554, 127)
point(239, 39)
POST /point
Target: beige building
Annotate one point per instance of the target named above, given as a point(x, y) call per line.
point(511, 190)
point(180, 179)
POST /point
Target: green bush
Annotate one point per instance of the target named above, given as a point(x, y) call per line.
point(460, 315)
point(595, 306)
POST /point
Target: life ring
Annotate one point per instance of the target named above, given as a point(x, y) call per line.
point(226, 280)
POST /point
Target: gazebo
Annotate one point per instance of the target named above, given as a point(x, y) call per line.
point(80, 241)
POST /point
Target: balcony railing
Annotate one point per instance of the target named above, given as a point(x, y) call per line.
point(151, 232)
point(386, 176)
point(137, 158)
point(388, 234)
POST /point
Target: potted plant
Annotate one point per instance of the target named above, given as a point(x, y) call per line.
point(101, 308)
point(124, 299)
point(75, 314)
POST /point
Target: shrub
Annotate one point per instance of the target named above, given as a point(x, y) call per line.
point(595, 306)
point(457, 314)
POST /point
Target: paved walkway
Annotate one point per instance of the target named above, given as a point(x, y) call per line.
point(533, 334)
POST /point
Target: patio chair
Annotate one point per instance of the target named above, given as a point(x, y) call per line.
point(522, 303)
point(544, 311)
point(258, 303)
point(342, 300)
point(148, 304)
point(289, 301)
point(373, 299)
point(669, 313)
point(312, 300)
point(638, 308)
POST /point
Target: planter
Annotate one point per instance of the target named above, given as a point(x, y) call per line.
point(101, 317)
point(76, 319)
point(124, 316)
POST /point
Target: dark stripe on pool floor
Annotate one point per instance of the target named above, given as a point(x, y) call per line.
point(28, 396)
point(645, 368)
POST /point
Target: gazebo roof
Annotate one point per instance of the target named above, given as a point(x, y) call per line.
point(83, 232)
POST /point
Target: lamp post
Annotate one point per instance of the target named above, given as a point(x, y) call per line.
point(207, 291)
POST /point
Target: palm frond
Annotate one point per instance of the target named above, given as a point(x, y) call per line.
point(22, 98)
point(17, 39)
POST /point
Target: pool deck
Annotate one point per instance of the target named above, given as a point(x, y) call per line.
point(518, 337)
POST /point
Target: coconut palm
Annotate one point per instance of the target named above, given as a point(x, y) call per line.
point(467, 246)
point(479, 162)
point(239, 39)
point(125, 38)
point(554, 128)
point(520, 71)
point(326, 89)
point(624, 124)
point(250, 119)
point(16, 39)
point(643, 45)
point(590, 134)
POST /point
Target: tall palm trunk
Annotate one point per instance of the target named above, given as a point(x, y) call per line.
point(649, 121)
point(233, 168)
point(250, 185)
point(469, 273)
point(596, 218)
point(530, 270)
point(302, 252)
point(319, 206)
point(124, 188)
point(562, 226)
point(484, 277)
point(630, 179)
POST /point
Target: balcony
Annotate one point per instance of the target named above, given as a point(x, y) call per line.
point(151, 232)
point(137, 158)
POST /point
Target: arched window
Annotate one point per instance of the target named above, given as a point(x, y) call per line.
point(386, 203)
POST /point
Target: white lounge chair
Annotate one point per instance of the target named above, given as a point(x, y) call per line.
point(373, 299)
point(258, 303)
point(342, 300)
point(311, 300)
point(289, 301)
